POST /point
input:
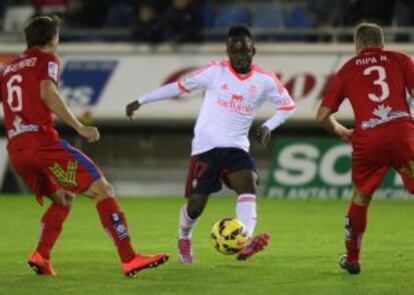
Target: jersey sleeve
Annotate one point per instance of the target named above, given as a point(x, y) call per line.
point(49, 69)
point(278, 95)
point(200, 79)
point(334, 93)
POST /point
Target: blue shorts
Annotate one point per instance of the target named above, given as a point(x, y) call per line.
point(208, 170)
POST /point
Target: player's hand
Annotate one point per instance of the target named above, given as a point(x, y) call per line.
point(345, 134)
point(90, 133)
point(131, 108)
point(263, 135)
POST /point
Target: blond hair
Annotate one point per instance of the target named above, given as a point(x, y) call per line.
point(369, 35)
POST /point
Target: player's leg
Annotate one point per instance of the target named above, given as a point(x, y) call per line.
point(355, 225)
point(368, 170)
point(244, 183)
point(29, 164)
point(51, 227)
point(188, 217)
point(202, 180)
point(115, 224)
point(190, 213)
point(82, 175)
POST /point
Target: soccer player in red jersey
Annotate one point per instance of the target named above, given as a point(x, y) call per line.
point(376, 82)
point(50, 166)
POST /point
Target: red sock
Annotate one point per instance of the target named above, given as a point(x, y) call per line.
point(51, 226)
point(356, 222)
point(114, 222)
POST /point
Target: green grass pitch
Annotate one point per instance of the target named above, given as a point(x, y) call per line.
point(302, 258)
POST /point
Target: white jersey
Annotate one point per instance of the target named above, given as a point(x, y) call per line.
point(230, 103)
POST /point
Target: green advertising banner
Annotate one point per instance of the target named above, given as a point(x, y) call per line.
point(319, 168)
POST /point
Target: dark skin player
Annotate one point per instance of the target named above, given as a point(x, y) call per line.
point(240, 51)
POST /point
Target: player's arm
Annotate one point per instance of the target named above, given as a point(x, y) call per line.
point(199, 80)
point(283, 113)
point(333, 98)
point(326, 118)
point(164, 92)
point(50, 95)
point(285, 108)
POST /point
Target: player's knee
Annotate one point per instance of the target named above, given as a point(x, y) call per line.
point(244, 182)
point(108, 190)
point(103, 190)
point(69, 197)
point(63, 198)
point(361, 198)
point(246, 187)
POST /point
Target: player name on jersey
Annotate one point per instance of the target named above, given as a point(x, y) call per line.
point(370, 60)
point(28, 62)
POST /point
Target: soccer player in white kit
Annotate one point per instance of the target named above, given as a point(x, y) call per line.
point(234, 90)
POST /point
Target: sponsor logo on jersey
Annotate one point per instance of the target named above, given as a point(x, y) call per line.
point(385, 115)
point(65, 177)
point(53, 70)
point(83, 82)
point(20, 128)
point(236, 104)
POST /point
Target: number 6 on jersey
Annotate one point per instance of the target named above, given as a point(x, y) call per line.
point(14, 93)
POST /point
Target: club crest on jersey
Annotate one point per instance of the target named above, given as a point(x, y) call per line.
point(53, 70)
point(65, 177)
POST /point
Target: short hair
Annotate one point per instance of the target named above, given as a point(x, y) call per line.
point(238, 31)
point(369, 35)
point(41, 30)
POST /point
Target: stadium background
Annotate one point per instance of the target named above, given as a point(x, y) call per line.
point(113, 51)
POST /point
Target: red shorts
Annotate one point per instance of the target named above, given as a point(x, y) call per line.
point(376, 151)
point(52, 167)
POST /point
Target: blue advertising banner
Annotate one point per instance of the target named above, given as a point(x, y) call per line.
point(83, 81)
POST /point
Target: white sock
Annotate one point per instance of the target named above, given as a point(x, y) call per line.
point(246, 211)
point(186, 224)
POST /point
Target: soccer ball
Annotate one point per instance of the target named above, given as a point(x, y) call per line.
point(229, 236)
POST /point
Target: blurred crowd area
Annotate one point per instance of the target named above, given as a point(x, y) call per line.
point(191, 21)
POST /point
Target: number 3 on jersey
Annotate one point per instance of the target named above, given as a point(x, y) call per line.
point(14, 93)
point(385, 89)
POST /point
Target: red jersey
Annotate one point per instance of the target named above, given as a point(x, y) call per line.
point(29, 122)
point(376, 83)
